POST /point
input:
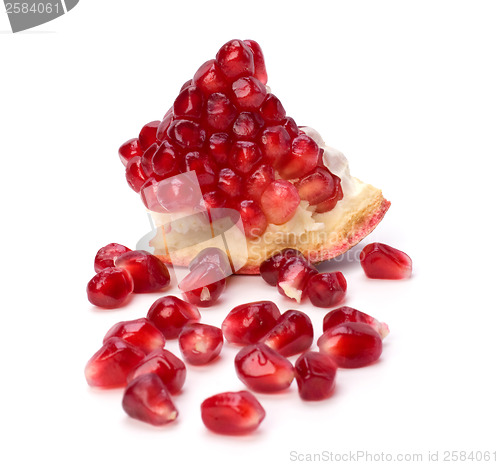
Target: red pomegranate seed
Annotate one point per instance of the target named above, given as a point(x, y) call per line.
point(232, 413)
point(257, 182)
point(247, 323)
point(381, 261)
point(258, 58)
point(106, 255)
point(170, 369)
point(147, 160)
point(348, 314)
point(302, 159)
point(230, 183)
point(210, 79)
point(112, 363)
point(293, 277)
point(188, 83)
point(170, 314)
point(315, 374)
point(205, 169)
point(292, 334)
point(235, 59)
point(249, 93)
point(149, 195)
point(219, 147)
point(272, 110)
point(270, 268)
point(163, 162)
point(244, 156)
point(275, 144)
point(329, 204)
point(204, 284)
point(147, 399)
point(186, 134)
point(200, 343)
point(161, 133)
point(147, 136)
point(110, 288)
point(179, 193)
point(254, 220)
point(214, 199)
point(140, 333)
point(279, 201)
point(129, 150)
point(135, 174)
point(189, 104)
point(262, 369)
point(316, 187)
point(212, 255)
point(291, 127)
point(326, 289)
point(220, 112)
point(351, 345)
point(247, 125)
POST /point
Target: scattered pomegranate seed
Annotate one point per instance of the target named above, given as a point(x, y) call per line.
point(315, 373)
point(219, 147)
point(205, 169)
point(134, 174)
point(110, 288)
point(272, 110)
point(129, 150)
point(316, 187)
point(147, 160)
point(200, 343)
point(163, 162)
point(147, 399)
point(351, 345)
point(232, 413)
point(254, 220)
point(147, 136)
point(140, 333)
point(262, 369)
point(302, 159)
point(293, 277)
point(230, 183)
point(186, 134)
point(275, 143)
point(257, 182)
point(210, 79)
point(247, 125)
point(258, 58)
point(189, 104)
point(163, 363)
point(244, 156)
point(326, 289)
point(292, 334)
point(270, 268)
point(247, 323)
point(279, 201)
point(204, 284)
point(348, 314)
point(249, 93)
point(111, 364)
point(235, 60)
point(148, 272)
point(381, 261)
point(220, 112)
point(170, 314)
point(106, 255)
point(212, 255)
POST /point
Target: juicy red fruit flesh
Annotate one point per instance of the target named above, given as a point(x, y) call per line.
point(326, 289)
point(106, 256)
point(315, 374)
point(147, 136)
point(140, 333)
point(200, 343)
point(381, 261)
point(302, 159)
point(235, 60)
point(348, 314)
point(204, 284)
point(270, 268)
point(254, 220)
point(110, 288)
point(129, 150)
point(293, 277)
point(134, 174)
point(279, 201)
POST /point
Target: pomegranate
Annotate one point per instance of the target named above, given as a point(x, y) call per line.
point(381, 261)
point(200, 343)
point(315, 373)
point(110, 288)
point(204, 284)
point(326, 289)
point(170, 314)
point(106, 256)
point(140, 333)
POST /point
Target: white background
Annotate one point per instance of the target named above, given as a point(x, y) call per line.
point(409, 91)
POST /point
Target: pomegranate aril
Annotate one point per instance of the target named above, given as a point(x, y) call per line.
point(230, 183)
point(170, 314)
point(186, 134)
point(232, 413)
point(270, 268)
point(163, 363)
point(189, 104)
point(106, 256)
point(381, 261)
point(220, 112)
point(205, 169)
point(275, 144)
point(316, 187)
point(351, 345)
point(247, 323)
point(200, 343)
point(326, 289)
point(110, 288)
point(161, 133)
point(244, 156)
point(249, 93)
point(149, 195)
point(235, 60)
point(256, 183)
point(315, 374)
point(212, 255)
point(279, 201)
point(272, 110)
point(247, 125)
point(204, 284)
point(179, 193)
point(258, 57)
point(254, 220)
point(140, 333)
point(329, 204)
point(147, 136)
point(147, 160)
point(148, 272)
point(164, 163)
point(348, 314)
point(112, 363)
point(210, 79)
point(293, 277)
point(291, 127)
point(214, 199)
point(129, 150)
point(263, 369)
point(219, 147)
point(302, 159)
point(134, 174)
point(292, 334)
point(188, 83)
point(147, 399)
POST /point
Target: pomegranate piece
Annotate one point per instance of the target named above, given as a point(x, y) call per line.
point(258, 58)
point(254, 220)
point(169, 368)
point(147, 399)
point(110, 288)
point(200, 343)
point(219, 147)
point(279, 201)
point(315, 374)
point(292, 334)
point(275, 143)
point(316, 187)
point(148, 272)
point(249, 93)
point(112, 363)
point(210, 79)
point(270, 268)
point(140, 333)
point(230, 183)
point(244, 156)
point(189, 104)
point(164, 162)
point(262, 369)
point(186, 134)
point(106, 255)
point(272, 110)
point(235, 60)
point(257, 182)
point(220, 112)
point(170, 314)
point(204, 284)
point(381, 261)
point(293, 277)
point(247, 323)
point(326, 289)
point(134, 174)
point(147, 136)
point(129, 150)
point(212, 255)
point(351, 345)
point(302, 159)
point(247, 125)
point(232, 413)
point(348, 314)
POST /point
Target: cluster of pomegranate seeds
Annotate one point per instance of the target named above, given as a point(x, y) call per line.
point(381, 261)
